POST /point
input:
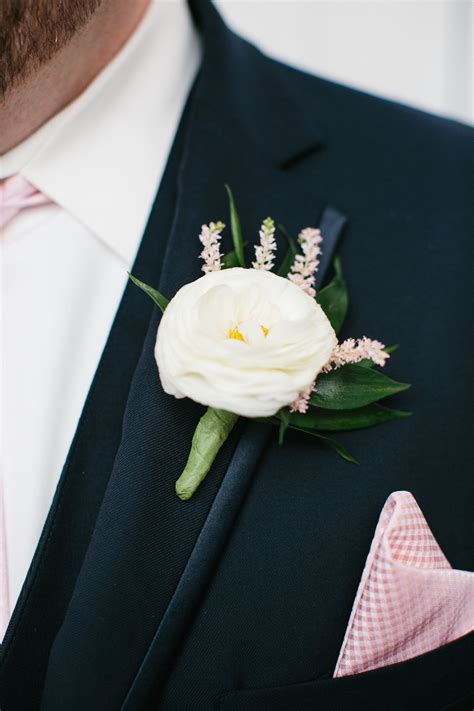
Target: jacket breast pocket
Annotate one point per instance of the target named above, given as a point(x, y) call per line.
point(441, 680)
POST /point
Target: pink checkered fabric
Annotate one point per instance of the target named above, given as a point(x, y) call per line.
point(410, 600)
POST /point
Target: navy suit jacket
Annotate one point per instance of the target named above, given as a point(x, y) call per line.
point(239, 598)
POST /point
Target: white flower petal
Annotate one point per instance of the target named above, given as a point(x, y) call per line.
point(242, 340)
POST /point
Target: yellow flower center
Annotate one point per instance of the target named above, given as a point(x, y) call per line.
point(237, 336)
point(235, 333)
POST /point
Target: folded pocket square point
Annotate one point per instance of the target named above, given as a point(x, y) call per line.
point(410, 600)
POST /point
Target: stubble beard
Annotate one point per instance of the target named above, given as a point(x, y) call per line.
point(33, 31)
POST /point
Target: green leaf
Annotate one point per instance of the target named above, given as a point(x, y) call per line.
point(289, 256)
point(160, 300)
point(329, 442)
point(211, 432)
point(236, 230)
point(353, 386)
point(284, 417)
point(366, 363)
point(276, 420)
point(344, 420)
point(230, 259)
point(337, 446)
point(334, 298)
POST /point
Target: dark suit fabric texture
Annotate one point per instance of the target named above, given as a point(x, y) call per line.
point(239, 598)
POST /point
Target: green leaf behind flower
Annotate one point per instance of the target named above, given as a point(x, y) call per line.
point(334, 298)
point(230, 259)
point(289, 258)
point(236, 230)
point(345, 420)
point(158, 298)
point(353, 386)
point(329, 442)
point(284, 417)
point(285, 421)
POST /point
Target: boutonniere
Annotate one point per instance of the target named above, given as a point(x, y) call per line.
point(262, 345)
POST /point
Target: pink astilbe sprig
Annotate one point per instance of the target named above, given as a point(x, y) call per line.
point(211, 254)
point(353, 351)
point(306, 265)
point(265, 251)
point(301, 404)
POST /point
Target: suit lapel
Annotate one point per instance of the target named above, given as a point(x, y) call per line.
point(151, 555)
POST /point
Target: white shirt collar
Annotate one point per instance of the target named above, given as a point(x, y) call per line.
point(102, 157)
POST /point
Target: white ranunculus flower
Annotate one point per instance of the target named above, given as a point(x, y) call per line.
point(242, 340)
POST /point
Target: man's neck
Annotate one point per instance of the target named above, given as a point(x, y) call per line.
point(53, 86)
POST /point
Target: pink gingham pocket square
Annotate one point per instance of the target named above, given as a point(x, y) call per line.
point(410, 600)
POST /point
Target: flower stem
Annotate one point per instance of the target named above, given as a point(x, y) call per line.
point(212, 430)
